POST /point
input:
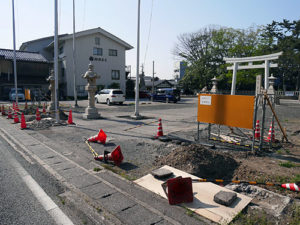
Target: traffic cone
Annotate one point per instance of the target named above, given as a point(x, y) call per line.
point(257, 130)
point(14, 106)
point(23, 122)
point(44, 109)
point(38, 116)
point(16, 118)
point(9, 115)
point(101, 137)
point(17, 107)
point(70, 118)
point(160, 130)
point(116, 156)
point(93, 138)
point(291, 186)
point(271, 135)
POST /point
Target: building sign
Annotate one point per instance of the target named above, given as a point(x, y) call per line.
point(101, 59)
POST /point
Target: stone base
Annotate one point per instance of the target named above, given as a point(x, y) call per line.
point(137, 117)
point(51, 107)
point(91, 113)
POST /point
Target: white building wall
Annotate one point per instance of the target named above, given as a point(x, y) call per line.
point(84, 49)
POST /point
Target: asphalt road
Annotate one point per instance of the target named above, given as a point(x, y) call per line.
point(18, 204)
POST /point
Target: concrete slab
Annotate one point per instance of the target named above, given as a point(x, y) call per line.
point(116, 202)
point(63, 166)
point(203, 203)
point(139, 215)
point(98, 190)
point(83, 181)
point(53, 160)
point(72, 172)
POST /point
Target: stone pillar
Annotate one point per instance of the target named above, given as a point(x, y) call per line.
point(214, 88)
point(233, 85)
point(51, 80)
point(91, 111)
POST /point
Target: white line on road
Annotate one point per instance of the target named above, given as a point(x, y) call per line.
point(48, 204)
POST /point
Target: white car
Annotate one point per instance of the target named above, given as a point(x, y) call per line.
point(109, 96)
point(12, 95)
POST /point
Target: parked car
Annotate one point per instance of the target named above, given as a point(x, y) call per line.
point(12, 94)
point(167, 95)
point(144, 94)
point(109, 96)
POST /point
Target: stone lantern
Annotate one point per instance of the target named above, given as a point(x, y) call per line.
point(271, 90)
point(91, 112)
point(51, 80)
point(214, 88)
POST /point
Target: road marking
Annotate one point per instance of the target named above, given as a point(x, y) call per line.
point(48, 204)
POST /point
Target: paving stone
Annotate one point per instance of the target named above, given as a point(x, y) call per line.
point(225, 197)
point(38, 149)
point(83, 181)
point(29, 141)
point(53, 160)
point(72, 172)
point(138, 215)
point(99, 190)
point(63, 165)
point(116, 202)
point(163, 222)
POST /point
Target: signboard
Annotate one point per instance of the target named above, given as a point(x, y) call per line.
point(229, 110)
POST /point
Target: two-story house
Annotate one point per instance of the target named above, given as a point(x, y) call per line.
point(107, 50)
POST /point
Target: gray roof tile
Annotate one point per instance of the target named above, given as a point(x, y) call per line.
point(22, 56)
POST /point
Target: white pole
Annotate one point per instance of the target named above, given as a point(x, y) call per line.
point(56, 59)
point(136, 114)
point(267, 70)
point(152, 81)
point(233, 85)
point(74, 67)
point(14, 43)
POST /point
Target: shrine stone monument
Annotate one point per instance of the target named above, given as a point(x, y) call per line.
point(51, 80)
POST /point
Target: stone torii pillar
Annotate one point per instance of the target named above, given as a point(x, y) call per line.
point(91, 111)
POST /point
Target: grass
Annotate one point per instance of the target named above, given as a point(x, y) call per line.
point(96, 169)
point(61, 200)
point(280, 152)
point(288, 164)
point(246, 219)
point(296, 215)
point(189, 212)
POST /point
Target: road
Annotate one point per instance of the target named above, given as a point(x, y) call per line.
point(22, 200)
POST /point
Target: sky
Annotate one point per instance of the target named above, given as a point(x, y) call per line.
point(35, 19)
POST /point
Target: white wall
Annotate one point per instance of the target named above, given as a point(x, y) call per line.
point(84, 49)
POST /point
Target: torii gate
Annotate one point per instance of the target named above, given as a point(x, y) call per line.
point(267, 65)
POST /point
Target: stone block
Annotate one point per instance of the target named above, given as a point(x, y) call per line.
point(225, 197)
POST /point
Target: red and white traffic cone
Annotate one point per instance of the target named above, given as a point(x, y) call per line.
point(17, 107)
point(271, 135)
point(23, 122)
point(116, 156)
point(38, 116)
point(100, 137)
point(257, 130)
point(291, 186)
point(159, 130)
point(3, 110)
point(44, 109)
point(16, 117)
point(9, 115)
point(70, 118)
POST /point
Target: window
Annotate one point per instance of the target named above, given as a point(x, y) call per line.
point(112, 52)
point(97, 41)
point(97, 51)
point(115, 74)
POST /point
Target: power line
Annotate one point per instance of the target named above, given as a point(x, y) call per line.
point(150, 25)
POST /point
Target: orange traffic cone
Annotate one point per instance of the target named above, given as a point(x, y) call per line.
point(271, 135)
point(16, 118)
point(116, 156)
point(23, 122)
point(9, 115)
point(160, 130)
point(38, 116)
point(44, 109)
point(257, 130)
point(70, 118)
point(291, 186)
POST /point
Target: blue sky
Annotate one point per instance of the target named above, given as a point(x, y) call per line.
point(170, 18)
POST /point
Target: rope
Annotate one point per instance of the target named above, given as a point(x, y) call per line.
point(91, 149)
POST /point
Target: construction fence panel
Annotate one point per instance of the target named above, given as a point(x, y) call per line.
point(229, 110)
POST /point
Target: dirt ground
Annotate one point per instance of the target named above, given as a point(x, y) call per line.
point(143, 154)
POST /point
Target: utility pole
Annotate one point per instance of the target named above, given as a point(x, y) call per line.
point(56, 59)
point(136, 113)
point(14, 43)
point(152, 81)
point(74, 66)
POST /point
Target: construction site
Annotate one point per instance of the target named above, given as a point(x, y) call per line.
point(251, 149)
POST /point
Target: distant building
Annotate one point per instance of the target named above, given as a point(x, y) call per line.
point(182, 69)
point(107, 50)
point(32, 71)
